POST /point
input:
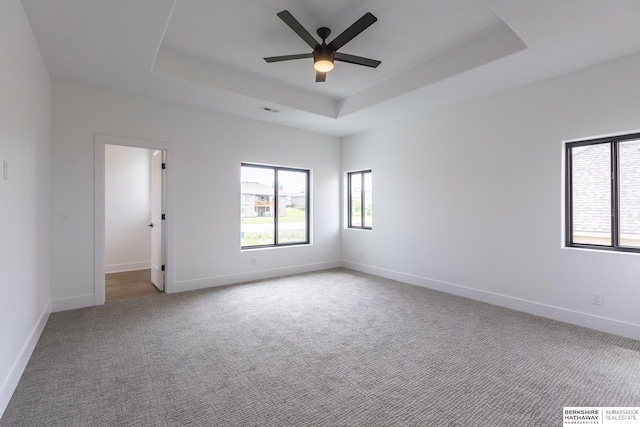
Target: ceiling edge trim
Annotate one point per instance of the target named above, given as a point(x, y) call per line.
point(488, 48)
point(164, 32)
point(171, 63)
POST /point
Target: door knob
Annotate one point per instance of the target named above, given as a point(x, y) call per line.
point(150, 225)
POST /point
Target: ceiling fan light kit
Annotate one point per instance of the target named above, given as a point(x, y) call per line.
point(323, 65)
point(323, 60)
point(325, 54)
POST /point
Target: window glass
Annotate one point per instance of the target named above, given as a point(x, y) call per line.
point(292, 203)
point(368, 200)
point(629, 192)
point(603, 193)
point(274, 207)
point(356, 199)
point(257, 222)
point(360, 199)
point(591, 194)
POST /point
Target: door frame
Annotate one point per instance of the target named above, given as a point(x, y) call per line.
point(100, 140)
point(155, 217)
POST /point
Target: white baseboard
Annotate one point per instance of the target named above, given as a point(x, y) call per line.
point(131, 266)
point(599, 323)
point(11, 382)
point(71, 303)
point(210, 282)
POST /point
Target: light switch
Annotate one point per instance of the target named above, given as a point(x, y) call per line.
point(66, 218)
point(5, 170)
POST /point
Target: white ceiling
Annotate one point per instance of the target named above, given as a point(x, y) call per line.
point(434, 53)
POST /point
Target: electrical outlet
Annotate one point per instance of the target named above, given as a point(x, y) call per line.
point(596, 298)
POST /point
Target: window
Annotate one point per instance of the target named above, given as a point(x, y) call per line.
point(274, 207)
point(603, 193)
point(360, 213)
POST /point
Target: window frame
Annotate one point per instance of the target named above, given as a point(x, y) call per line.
point(613, 142)
point(362, 199)
point(275, 169)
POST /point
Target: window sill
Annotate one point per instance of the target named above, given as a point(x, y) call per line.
point(604, 250)
point(262, 248)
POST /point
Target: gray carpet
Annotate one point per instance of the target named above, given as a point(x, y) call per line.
point(332, 348)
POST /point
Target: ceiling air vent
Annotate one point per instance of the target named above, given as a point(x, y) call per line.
point(269, 109)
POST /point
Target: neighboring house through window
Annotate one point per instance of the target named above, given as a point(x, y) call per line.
point(274, 206)
point(603, 193)
point(359, 200)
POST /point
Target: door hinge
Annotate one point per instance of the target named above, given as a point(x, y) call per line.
point(162, 267)
point(164, 166)
point(163, 216)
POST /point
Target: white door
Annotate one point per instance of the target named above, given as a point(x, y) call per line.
point(157, 253)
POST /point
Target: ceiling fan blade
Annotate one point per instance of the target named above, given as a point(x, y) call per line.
point(359, 26)
point(320, 77)
point(298, 28)
point(352, 59)
point(289, 57)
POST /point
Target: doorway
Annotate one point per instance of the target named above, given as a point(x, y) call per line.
point(132, 226)
point(133, 221)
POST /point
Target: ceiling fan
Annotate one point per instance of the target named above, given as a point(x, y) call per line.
point(324, 54)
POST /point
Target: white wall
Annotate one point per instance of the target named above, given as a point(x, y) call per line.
point(469, 200)
point(128, 207)
point(24, 196)
point(209, 148)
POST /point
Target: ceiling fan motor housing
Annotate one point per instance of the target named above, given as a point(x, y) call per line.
point(323, 53)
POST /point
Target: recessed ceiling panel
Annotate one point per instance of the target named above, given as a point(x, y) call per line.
point(240, 34)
